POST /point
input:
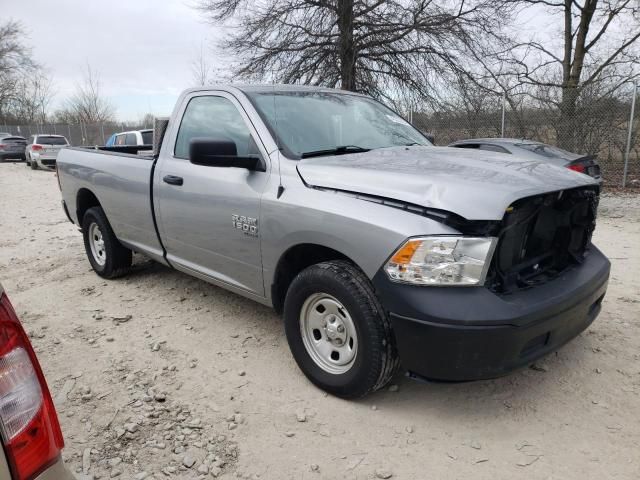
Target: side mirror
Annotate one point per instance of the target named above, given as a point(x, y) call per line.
point(212, 152)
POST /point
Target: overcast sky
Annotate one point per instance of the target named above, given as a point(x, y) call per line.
point(142, 49)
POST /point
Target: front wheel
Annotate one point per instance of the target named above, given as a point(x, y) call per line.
point(337, 330)
point(108, 257)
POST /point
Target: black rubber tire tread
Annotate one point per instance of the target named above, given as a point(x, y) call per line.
point(356, 293)
point(33, 164)
point(119, 258)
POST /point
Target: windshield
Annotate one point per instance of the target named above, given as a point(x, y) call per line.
point(548, 151)
point(45, 140)
point(311, 122)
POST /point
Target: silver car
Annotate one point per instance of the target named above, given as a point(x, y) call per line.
point(29, 430)
point(529, 149)
point(42, 150)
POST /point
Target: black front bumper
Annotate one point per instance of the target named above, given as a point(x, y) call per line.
point(471, 333)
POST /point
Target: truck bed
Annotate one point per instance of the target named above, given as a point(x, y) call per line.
point(123, 182)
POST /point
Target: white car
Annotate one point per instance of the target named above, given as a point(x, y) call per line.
point(42, 150)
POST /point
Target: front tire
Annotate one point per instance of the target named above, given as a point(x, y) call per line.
point(338, 332)
point(108, 257)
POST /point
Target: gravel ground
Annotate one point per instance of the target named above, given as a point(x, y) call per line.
point(160, 375)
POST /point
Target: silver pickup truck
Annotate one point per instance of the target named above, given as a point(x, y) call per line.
point(380, 249)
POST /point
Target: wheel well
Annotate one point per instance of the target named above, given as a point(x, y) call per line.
point(84, 201)
point(293, 261)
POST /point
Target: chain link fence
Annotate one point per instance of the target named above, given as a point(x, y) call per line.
point(606, 127)
point(78, 134)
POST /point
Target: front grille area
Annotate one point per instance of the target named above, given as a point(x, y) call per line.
point(541, 237)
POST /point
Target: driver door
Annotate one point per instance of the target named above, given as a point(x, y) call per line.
point(201, 216)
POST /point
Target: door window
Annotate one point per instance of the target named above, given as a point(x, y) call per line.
point(216, 118)
point(120, 139)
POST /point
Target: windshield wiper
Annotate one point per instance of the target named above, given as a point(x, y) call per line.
point(335, 151)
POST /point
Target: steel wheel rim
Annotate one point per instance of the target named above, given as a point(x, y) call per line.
point(96, 242)
point(328, 333)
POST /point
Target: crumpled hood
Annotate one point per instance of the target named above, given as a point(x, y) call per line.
point(476, 185)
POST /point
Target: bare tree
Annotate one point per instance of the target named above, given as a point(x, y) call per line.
point(384, 48)
point(201, 69)
point(87, 105)
point(32, 97)
point(147, 120)
point(15, 64)
point(598, 45)
point(477, 109)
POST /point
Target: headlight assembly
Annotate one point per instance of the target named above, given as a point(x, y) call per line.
point(442, 261)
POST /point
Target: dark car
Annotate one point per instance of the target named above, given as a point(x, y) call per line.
point(12, 147)
point(586, 164)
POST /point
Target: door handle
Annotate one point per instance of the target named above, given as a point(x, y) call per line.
point(173, 180)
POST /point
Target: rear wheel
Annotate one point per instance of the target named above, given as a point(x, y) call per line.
point(337, 330)
point(108, 257)
point(33, 164)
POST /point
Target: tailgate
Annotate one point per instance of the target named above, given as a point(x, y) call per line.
point(51, 150)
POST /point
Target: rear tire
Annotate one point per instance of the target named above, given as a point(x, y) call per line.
point(34, 165)
point(107, 256)
point(329, 308)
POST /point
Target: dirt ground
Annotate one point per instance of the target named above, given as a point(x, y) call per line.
point(160, 375)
